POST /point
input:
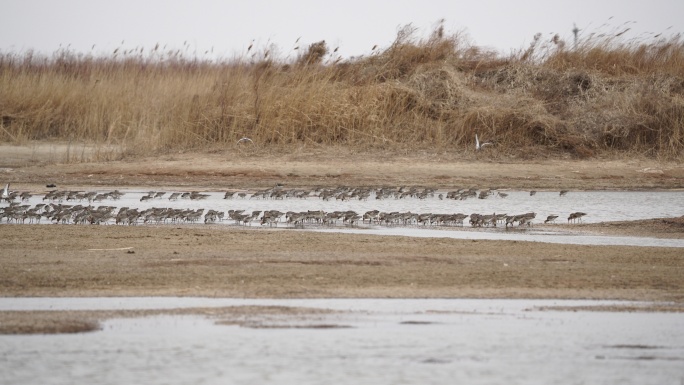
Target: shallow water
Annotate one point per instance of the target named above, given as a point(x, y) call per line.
point(599, 205)
point(388, 342)
point(526, 235)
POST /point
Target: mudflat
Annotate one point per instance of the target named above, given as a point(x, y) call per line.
point(225, 261)
point(215, 260)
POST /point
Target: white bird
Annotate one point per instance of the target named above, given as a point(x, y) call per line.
point(5, 192)
point(245, 139)
point(478, 145)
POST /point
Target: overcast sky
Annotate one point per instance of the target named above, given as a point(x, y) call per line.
point(228, 27)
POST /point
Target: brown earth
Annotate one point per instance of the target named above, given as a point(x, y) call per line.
point(35, 165)
point(199, 260)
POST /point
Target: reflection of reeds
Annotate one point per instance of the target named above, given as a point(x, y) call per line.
point(605, 94)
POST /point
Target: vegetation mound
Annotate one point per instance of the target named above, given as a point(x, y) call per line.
point(600, 96)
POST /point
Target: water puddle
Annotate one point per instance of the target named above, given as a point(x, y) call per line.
point(380, 341)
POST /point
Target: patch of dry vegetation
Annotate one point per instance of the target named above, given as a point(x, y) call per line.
point(603, 95)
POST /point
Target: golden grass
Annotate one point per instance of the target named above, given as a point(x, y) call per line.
point(603, 95)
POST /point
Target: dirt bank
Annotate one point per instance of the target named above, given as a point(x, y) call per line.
point(37, 165)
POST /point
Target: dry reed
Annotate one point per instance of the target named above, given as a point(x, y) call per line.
point(603, 95)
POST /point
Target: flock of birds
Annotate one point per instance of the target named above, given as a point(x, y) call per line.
point(78, 207)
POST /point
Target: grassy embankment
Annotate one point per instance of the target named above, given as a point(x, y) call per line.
point(603, 96)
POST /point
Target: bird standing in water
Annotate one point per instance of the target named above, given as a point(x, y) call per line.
point(4, 194)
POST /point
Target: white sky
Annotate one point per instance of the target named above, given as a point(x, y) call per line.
point(354, 25)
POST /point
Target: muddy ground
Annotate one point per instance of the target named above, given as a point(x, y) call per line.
point(208, 260)
point(36, 165)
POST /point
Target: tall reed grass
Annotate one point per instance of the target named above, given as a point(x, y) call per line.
point(602, 95)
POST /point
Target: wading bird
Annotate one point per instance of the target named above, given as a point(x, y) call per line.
point(4, 194)
point(551, 218)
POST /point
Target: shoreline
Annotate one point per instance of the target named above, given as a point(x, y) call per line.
point(251, 314)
